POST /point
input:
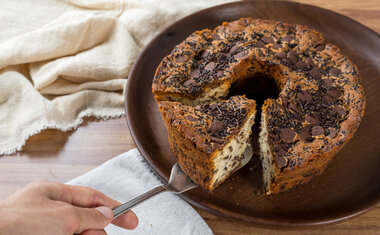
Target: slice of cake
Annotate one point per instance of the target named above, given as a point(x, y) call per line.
point(209, 140)
point(298, 139)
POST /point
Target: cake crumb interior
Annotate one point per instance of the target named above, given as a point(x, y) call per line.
point(230, 157)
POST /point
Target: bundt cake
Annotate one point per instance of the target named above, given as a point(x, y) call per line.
point(320, 104)
point(209, 140)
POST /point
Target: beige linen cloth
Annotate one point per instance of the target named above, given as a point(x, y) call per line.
point(63, 60)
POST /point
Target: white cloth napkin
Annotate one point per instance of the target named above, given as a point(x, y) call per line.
point(62, 60)
point(127, 176)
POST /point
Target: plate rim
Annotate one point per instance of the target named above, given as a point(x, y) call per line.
point(161, 175)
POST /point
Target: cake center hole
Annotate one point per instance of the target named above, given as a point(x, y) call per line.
point(258, 87)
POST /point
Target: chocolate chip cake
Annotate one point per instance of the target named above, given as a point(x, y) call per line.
point(320, 104)
point(209, 140)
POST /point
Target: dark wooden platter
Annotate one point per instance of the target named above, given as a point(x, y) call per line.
point(350, 185)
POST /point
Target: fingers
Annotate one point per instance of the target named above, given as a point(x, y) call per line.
point(78, 195)
point(98, 218)
point(89, 218)
point(81, 196)
point(88, 197)
point(127, 220)
point(94, 232)
point(85, 198)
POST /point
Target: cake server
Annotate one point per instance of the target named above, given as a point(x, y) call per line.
point(179, 182)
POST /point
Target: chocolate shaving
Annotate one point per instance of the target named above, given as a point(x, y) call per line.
point(310, 61)
point(216, 126)
point(194, 73)
point(338, 110)
point(302, 65)
point(210, 66)
point(287, 38)
point(234, 132)
point(239, 55)
point(233, 49)
point(334, 93)
point(191, 118)
point(181, 58)
point(320, 47)
point(189, 83)
point(294, 107)
point(315, 73)
point(327, 82)
point(283, 100)
point(327, 99)
point(335, 71)
point(217, 140)
point(204, 54)
point(304, 96)
point(279, 149)
point(281, 162)
point(288, 135)
point(332, 133)
point(260, 44)
point(305, 134)
point(317, 130)
point(219, 73)
point(312, 120)
point(292, 57)
point(267, 40)
point(281, 55)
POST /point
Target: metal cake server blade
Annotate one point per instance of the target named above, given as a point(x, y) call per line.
point(247, 155)
point(179, 182)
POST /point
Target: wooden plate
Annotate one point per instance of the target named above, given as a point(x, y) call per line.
point(350, 185)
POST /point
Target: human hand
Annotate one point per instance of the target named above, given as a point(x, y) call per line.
point(53, 208)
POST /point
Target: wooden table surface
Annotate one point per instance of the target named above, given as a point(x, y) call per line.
point(60, 156)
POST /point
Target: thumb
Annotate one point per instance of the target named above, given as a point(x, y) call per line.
point(106, 212)
point(92, 218)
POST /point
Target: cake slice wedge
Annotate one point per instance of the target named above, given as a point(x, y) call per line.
point(294, 150)
point(209, 140)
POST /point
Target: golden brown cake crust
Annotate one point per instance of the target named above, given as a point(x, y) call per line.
point(197, 134)
point(321, 102)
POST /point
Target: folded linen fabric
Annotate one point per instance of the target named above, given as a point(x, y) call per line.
point(63, 60)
